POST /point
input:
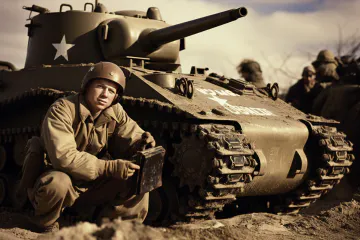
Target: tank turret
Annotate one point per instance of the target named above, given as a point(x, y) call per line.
point(96, 35)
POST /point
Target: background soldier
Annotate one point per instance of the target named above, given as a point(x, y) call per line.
point(324, 57)
point(250, 70)
point(325, 66)
point(302, 94)
point(77, 132)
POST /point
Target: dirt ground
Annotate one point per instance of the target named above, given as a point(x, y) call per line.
point(333, 217)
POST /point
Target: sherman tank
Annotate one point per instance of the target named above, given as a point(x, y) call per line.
point(230, 146)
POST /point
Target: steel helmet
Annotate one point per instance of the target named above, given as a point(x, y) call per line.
point(324, 56)
point(327, 73)
point(108, 71)
point(249, 66)
point(308, 69)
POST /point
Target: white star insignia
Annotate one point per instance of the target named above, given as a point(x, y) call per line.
point(62, 48)
point(221, 101)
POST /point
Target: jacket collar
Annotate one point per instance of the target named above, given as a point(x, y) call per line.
point(105, 116)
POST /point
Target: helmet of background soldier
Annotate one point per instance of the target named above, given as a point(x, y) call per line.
point(308, 69)
point(327, 73)
point(248, 66)
point(253, 69)
point(324, 56)
point(108, 71)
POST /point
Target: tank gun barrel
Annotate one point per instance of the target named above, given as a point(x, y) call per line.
point(162, 36)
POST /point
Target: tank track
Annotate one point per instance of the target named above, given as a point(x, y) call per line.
point(334, 159)
point(233, 162)
point(215, 183)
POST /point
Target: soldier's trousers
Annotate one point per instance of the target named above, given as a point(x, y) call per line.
point(54, 191)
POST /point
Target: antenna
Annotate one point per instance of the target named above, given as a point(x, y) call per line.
point(96, 3)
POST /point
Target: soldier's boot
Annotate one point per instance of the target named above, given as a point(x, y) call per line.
point(55, 227)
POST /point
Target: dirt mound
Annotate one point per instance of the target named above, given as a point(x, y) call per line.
point(120, 230)
point(339, 222)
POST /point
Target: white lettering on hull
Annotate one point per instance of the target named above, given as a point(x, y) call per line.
point(238, 110)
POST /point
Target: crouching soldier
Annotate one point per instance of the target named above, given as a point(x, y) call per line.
point(77, 133)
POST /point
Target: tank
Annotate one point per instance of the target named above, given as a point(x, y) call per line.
point(231, 147)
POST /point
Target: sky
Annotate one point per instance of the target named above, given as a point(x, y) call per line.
point(282, 35)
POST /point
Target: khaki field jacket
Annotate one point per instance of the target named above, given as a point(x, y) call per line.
point(72, 139)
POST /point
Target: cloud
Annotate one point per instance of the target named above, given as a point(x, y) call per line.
point(268, 38)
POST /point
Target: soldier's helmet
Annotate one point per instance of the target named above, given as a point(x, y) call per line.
point(308, 69)
point(108, 71)
point(254, 72)
point(327, 73)
point(324, 56)
point(249, 66)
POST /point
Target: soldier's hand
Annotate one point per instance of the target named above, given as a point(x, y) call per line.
point(120, 169)
point(147, 141)
point(132, 167)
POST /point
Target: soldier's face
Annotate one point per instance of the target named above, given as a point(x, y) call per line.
point(309, 79)
point(100, 94)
